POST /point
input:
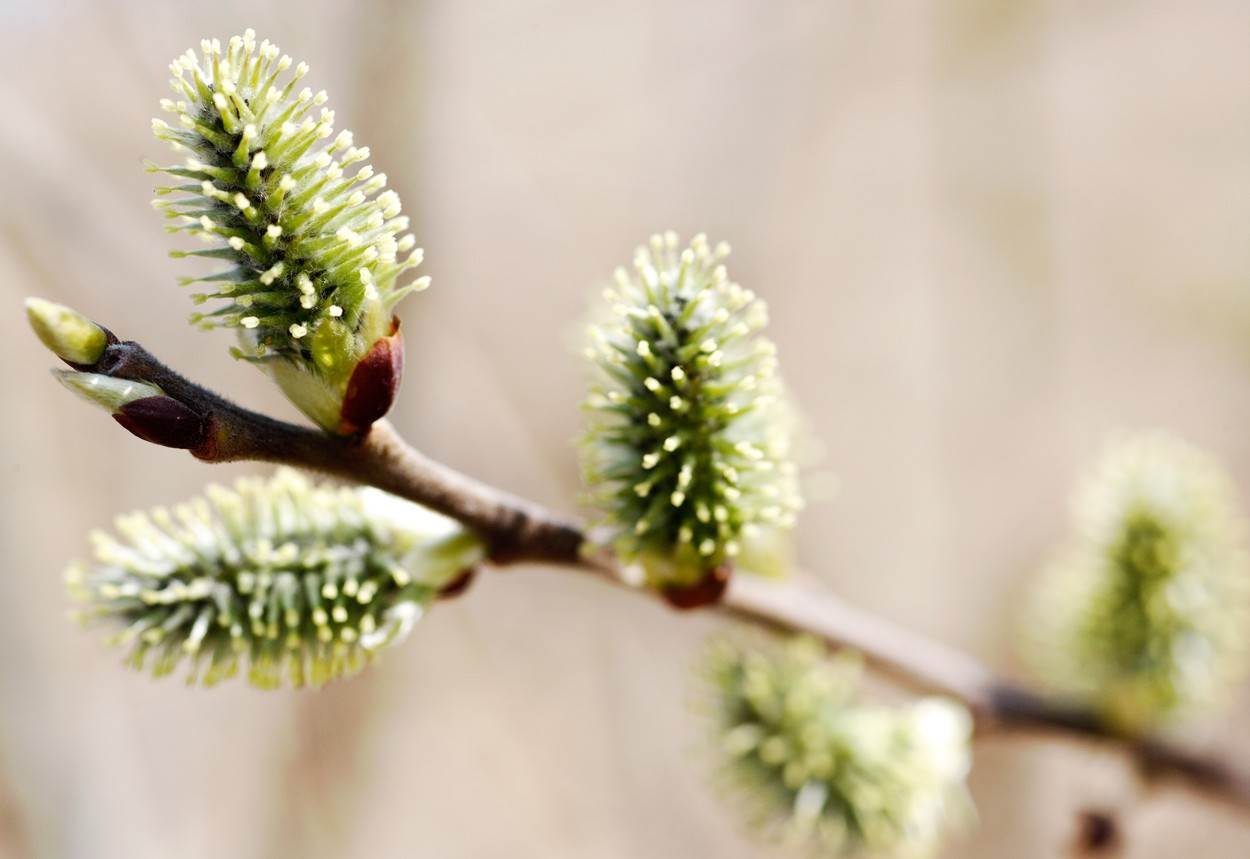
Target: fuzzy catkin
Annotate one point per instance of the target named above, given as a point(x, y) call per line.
point(1143, 614)
point(812, 767)
point(313, 243)
point(299, 583)
point(686, 452)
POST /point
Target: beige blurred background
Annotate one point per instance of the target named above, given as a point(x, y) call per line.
point(990, 233)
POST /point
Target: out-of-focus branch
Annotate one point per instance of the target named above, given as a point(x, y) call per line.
point(997, 704)
point(217, 430)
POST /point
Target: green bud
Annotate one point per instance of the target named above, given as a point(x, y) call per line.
point(688, 441)
point(71, 336)
point(815, 768)
point(299, 583)
point(1143, 614)
point(314, 246)
point(144, 410)
point(347, 391)
point(105, 391)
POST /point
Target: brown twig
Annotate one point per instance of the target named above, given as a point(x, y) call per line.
point(518, 531)
point(515, 529)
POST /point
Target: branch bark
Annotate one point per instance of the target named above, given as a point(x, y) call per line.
point(515, 529)
point(518, 530)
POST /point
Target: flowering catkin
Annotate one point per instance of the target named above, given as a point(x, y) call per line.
point(686, 451)
point(311, 240)
point(1143, 615)
point(812, 767)
point(297, 581)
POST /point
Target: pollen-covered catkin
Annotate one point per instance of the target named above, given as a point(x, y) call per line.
point(313, 243)
point(1144, 613)
point(298, 582)
point(687, 447)
point(812, 767)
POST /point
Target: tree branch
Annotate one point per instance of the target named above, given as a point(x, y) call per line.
point(517, 530)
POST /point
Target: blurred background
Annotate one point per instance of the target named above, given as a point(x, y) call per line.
point(990, 234)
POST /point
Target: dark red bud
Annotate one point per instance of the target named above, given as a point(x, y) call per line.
point(708, 590)
point(458, 585)
point(1098, 834)
point(373, 384)
point(162, 420)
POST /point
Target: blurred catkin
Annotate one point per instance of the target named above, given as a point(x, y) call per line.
point(1144, 613)
point(810, 766)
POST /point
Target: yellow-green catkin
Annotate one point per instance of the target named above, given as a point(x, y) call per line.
point(289, 581)
point(811, 767)
point(1144, 613)
point(314, 245)
point(687, 448)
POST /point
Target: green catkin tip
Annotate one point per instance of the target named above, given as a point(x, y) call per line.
point(309, 235)
point(687, 447)
point(107, 392)
point(287, 581)
point(1143, 615)
point(811, 767)
point(67, 333)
